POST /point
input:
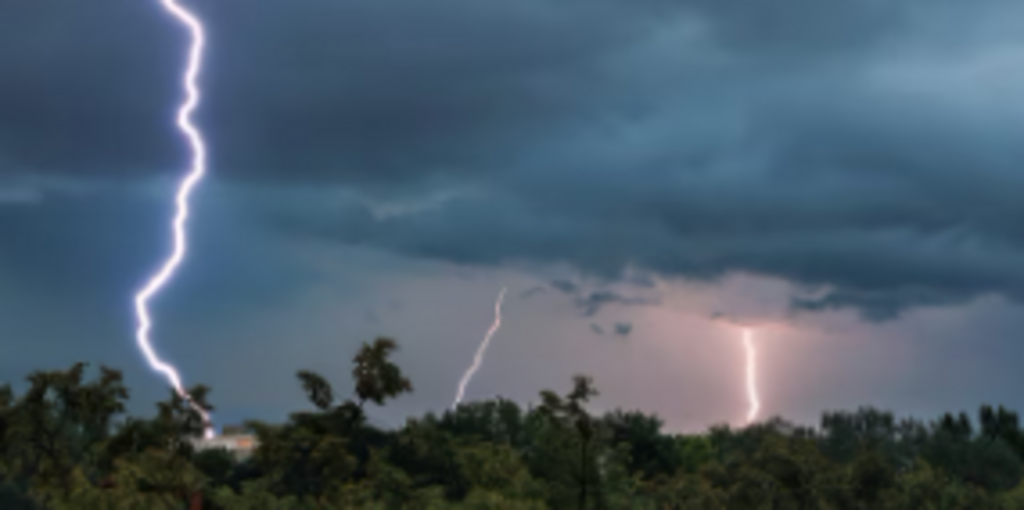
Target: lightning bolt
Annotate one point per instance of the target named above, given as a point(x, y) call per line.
point(480, 351)
point(755, 403)
point(195, 174)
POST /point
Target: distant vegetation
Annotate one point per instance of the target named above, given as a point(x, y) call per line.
point(65, 443)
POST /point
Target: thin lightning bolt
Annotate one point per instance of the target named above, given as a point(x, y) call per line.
point(480, 351)
point(755, 403)
point(195, 174)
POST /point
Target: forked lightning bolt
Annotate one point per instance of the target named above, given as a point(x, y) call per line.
point(755, 403)
point(196, 172)
point(480, 351)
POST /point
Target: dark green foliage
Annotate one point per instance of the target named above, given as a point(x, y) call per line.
point(317, 389)
point(217, 464)
point(65, 444)
point(651, 452)
point(376, 378)
point(15, 496)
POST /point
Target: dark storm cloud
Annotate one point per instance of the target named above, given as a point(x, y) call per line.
point(19, 196)
point(99, 246)
point(589, 303)
point(301, 90)
point(593, 302)
point(566, 286)
point(621, 329)
point(532, 291)
point(691, 138)
point(78, 242)
point(640, 280)
point(87, 88)
point(877, 306)
point(332, 89)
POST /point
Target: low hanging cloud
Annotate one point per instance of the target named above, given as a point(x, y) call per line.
point(867, 149)
point(590, 303)
point(565, 286)
point(619, 329)
point(532, 291)
point(19, 196)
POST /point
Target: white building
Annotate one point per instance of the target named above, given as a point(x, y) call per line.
point(241, 445)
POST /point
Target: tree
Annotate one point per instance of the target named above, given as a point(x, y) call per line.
point(496, 421)
point(925, 487)
point(171, 430)
point(577, 435)
point(216, 464)
point(64, 444)
point(375, 377)
point(429, 455)
point(497, 469)
point(871, 475)
point(61, 423)
point(318, 451)
point(651, 453)
point(154, 457)
point(845, 435)
point(782, 471)
point(987, 459)
point(694, 451)
point(255, 495)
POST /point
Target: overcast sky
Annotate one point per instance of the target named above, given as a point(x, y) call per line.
point(641, 174)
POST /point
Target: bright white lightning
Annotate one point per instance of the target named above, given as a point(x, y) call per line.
point(480, 351)
point(755, 403)
point(196, 172)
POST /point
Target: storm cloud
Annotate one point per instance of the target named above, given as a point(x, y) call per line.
point(590, 302)
point(868, 150)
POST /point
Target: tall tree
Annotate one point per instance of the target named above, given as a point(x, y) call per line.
point(316, 451)
point(651, 452)
point(571, 424)
point(61, 423)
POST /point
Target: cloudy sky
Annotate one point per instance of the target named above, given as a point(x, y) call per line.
point(641, 175)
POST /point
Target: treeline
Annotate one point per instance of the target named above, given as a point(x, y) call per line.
point(65, 443)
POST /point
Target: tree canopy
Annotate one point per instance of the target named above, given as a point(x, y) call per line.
point(66, 442)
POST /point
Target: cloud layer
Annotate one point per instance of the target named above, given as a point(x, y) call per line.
point(864, 150)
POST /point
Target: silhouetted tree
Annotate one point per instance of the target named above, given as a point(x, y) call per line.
point(65, 444)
